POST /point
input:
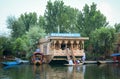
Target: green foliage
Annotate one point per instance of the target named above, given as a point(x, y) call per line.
point(35, 33)
point(10, 21)
point(2, 42)
point(41, 22)
point(92, 56)
point(60, 18)
point(16, 26)
point(5, 44)
point(90, 19)
point(103, 40)
point(19, 45)
point(33, 36)
point(26, 30)
point(117, 27)
point(28, 20)
point(22, 24)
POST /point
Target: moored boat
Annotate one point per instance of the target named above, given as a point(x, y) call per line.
point(116, 57)
point(58, 45)
point(37, 58)
point(74, 64)
point(9, 63)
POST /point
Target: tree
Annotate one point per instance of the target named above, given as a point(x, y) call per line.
point(41, 22)
point(117, 27)
point(19, 45)
point(90, 19)
point(60, 18)
point(16, 26)
point(103, 40)
point(28, 19)
point(6, 44)
point(22, 24)
point(2, 43)
point(33, 35)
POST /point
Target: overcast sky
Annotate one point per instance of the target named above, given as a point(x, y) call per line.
point(110, 8)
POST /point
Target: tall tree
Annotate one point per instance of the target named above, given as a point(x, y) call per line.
point(22, 24)
point(103, 40)
point(16, 26)
point(28, 19)
point(59, 18)
point(90, 19)
point(41, 22)
point(34, 34)
point(117, 27)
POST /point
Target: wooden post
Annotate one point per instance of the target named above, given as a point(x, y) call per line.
point(66, 41)
point(60, 41)
point(71, 44)
point(54, 45)
point(72, 53)
point(77, 43)
point(82, 44)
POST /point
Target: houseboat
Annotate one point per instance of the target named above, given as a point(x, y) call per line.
point(62, 46)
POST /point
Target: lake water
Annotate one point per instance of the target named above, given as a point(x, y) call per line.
point(88, 71)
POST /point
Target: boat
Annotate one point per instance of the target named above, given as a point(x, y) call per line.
point(9, 63)
point(37, 58)
point(116, 57)
point(74, 64)
point(90, 62)
point(56, 46)
point(106, 61)
point(24, 61)
point(16, 61)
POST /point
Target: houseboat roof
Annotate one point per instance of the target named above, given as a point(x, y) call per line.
point(63, 36)
point(115, 54)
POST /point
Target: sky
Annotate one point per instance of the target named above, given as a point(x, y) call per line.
point(110, 8)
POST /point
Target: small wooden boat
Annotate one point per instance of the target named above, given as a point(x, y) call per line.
point(74, 64)
point(37, 58)
point(90, 62)
point(105, 61)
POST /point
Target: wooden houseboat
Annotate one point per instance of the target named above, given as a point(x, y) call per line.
point(54, 46)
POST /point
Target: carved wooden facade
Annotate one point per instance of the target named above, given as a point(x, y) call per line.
point(55, 46)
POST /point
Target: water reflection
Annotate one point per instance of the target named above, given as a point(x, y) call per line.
point(58, 72)
point(104, 71)
point(76, 72)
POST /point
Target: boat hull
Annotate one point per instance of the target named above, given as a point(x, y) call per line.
point(74, 64)
point(10, 63)
point(37, 62)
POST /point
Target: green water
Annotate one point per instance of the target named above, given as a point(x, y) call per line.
point(88, 71)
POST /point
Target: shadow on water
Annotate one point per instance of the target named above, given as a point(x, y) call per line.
point(58, 62)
